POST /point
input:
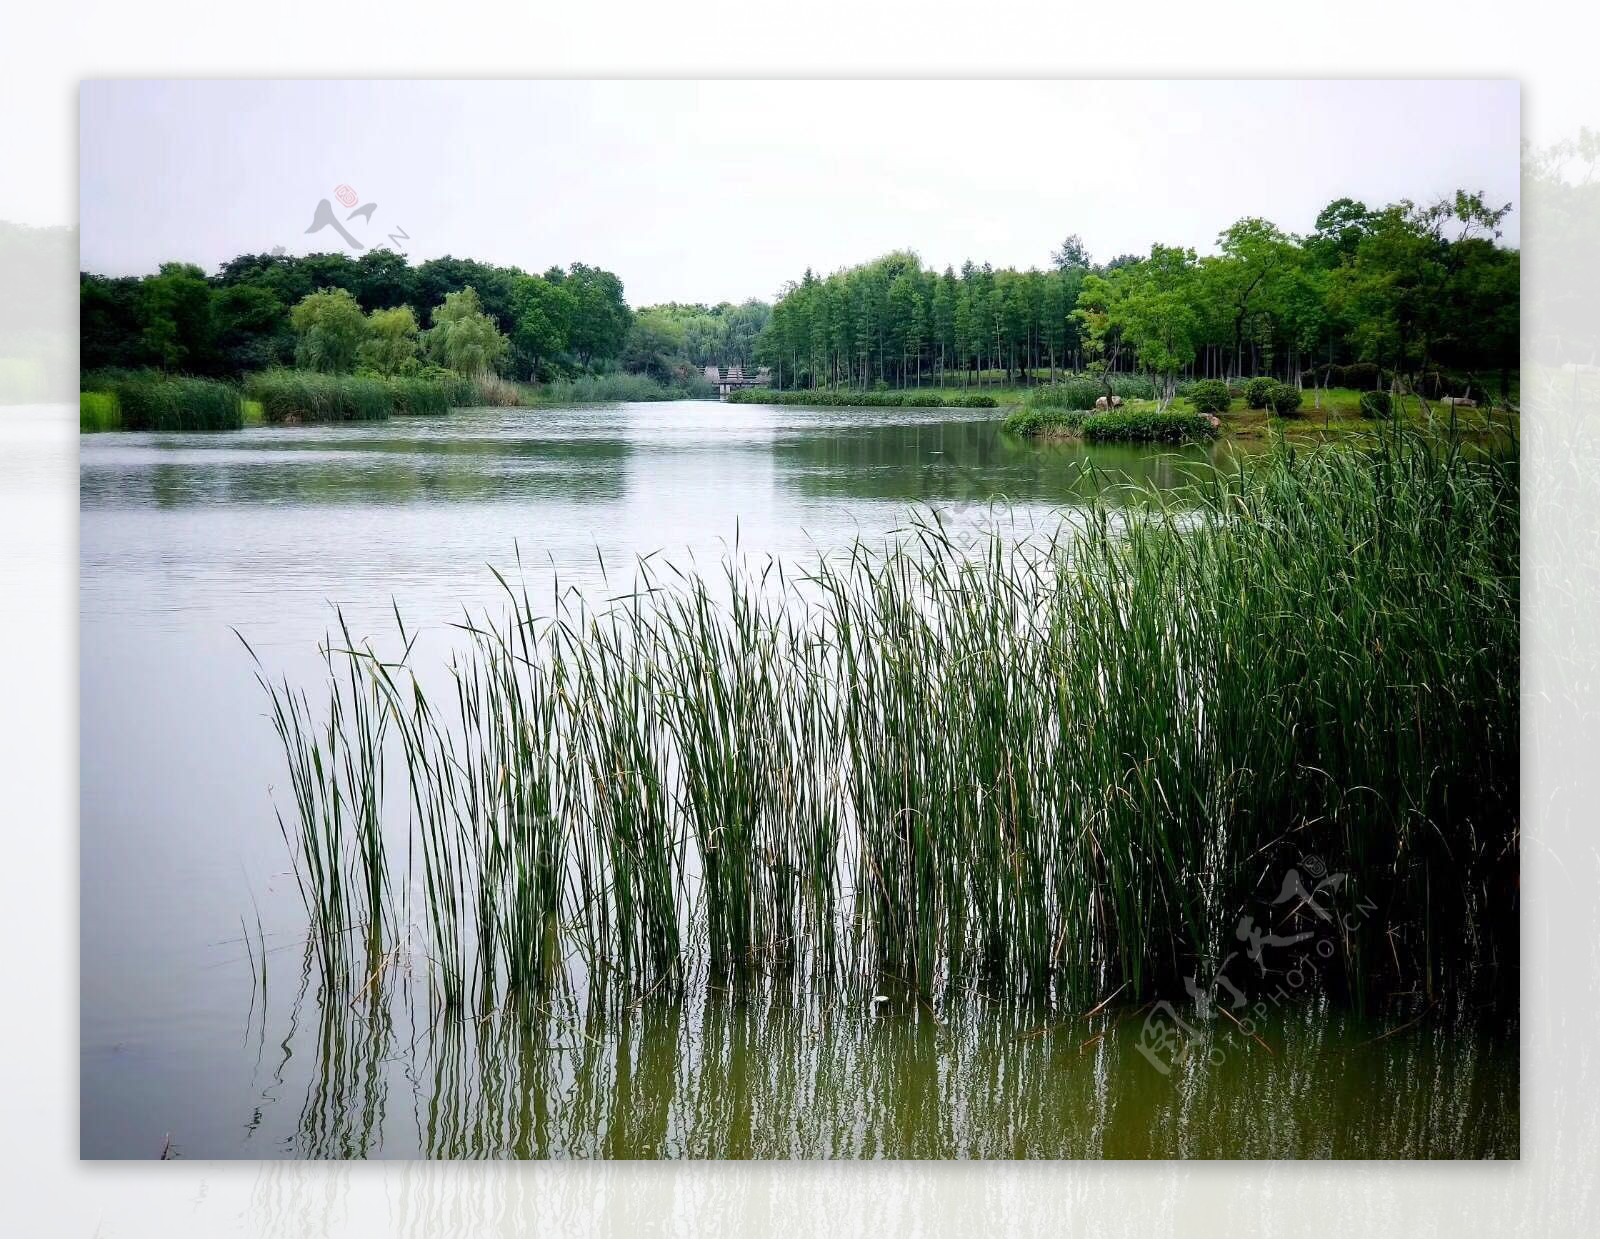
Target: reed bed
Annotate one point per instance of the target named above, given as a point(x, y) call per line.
point(1064, 764)
point(150, 401)
point(605, 388)
point(308, 396)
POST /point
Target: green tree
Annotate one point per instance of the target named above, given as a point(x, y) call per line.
point(329, 330)
point(391, 344)
point(543, 318)
point(600, 317)
point(464, 338)
point(178, 330)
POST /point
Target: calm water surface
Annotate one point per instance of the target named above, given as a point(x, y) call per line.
point(185, 538)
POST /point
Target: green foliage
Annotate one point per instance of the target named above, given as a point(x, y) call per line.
point(97, 411)
point(775, 801)
point(391, 344)
point(329, 330)
point(1209, 396)
point(147, 401)
point(308, 396)
point(598, 389)
point(1376, 405)
point(1148, 426)
point(847, 398)
point(465, 339)
point(1283, 399)
point(1258, 392)
point(417, 396)
point(1030, 420)
point(1079, 392)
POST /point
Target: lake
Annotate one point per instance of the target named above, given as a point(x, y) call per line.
point(186, 539)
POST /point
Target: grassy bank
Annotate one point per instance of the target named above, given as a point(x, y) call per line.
point(1067, 411)
point(849, 398)
point(1067, 766)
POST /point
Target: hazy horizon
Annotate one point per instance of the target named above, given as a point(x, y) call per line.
point(722, 191)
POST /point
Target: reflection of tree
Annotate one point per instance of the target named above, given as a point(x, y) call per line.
point(361, 471)
point(970, 461)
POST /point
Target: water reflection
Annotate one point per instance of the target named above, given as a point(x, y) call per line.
point(774, 1071)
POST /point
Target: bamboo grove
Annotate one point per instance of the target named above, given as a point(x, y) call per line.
point(1409, 288)
point(1059, 764)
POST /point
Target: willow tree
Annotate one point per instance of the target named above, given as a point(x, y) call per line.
point(464, 338)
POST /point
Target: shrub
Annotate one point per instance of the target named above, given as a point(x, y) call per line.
point(1375, 405)
point(147, 401)
point(1284, 399)
point(1148, 427)
point(1210, 396)
point(1258, 392)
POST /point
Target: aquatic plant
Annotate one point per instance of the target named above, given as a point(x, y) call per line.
point(1060, 764)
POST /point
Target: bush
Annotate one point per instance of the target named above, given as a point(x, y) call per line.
point(147, 401)
point(1258, 392)
point(1375, 405)
point(1148, 427)
point(1284, 399)
point(1210, 396)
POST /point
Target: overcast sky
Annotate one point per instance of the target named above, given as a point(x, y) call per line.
point(719, 191)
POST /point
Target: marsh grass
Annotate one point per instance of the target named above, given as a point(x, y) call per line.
point(307, 396)
point(97, 411)
point(1061, 765)
point(150, 401)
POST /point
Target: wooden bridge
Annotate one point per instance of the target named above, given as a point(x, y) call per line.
point(732, 378)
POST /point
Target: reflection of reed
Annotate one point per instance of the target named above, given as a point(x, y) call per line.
point(780, 1070)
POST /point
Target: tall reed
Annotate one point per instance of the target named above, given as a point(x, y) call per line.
point(149, 401)
point(1064, 763)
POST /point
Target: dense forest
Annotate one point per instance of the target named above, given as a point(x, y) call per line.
point(378, 312)
point(1404, 287)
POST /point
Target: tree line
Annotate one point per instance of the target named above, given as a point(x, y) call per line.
point(1411, 289)
point(378, 312)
